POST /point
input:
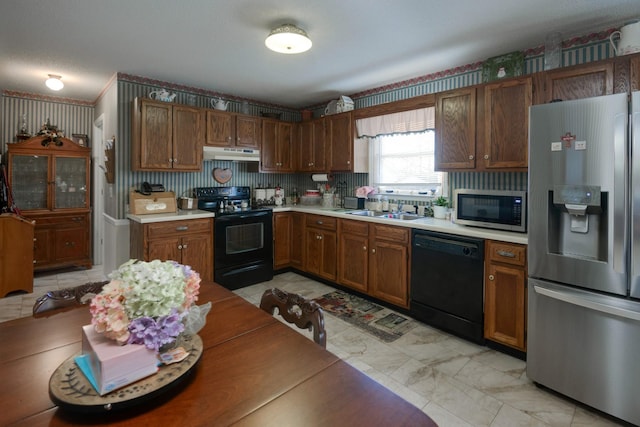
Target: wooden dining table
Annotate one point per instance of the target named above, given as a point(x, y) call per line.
point(254, 371)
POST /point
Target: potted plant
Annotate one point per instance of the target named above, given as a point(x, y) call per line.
point(440, 206)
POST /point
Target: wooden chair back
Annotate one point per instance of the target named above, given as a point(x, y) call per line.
point(61, 298)
point(305, 314)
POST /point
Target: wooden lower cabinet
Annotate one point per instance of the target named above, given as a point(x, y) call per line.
point(189, 242)
point(288, 240)
point(374, 259)
point(505, 294)
point(389, 264)
point(282, 239)
point(353, 254)
point(297, 239)
point(321, 246)
point(62, 240)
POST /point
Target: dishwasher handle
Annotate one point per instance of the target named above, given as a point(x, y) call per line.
point(464, 248)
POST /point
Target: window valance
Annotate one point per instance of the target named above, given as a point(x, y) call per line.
point(402, 122)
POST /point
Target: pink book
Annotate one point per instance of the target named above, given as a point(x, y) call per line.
point(110, 366)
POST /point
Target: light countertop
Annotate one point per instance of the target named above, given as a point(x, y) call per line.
point(174, 216)
point(427, 223)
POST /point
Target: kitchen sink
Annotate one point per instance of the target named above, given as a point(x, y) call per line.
point(401, 216)
point(365, 213)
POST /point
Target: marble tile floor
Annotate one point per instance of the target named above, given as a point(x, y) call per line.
point(457, 383)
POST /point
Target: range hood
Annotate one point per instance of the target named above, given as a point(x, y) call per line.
point(233, 154)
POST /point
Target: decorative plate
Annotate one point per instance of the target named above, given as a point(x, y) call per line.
point(222, 175)
point(499, 67)
point(71, 390)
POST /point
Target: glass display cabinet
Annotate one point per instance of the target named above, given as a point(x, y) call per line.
point(50, 183)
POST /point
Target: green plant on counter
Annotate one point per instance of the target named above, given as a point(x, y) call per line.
point(441, 201)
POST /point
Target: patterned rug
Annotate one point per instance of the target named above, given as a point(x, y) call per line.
point(370, 317)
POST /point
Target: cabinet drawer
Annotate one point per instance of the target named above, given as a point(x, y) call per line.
point(169, 228)
point(323, 222)
point(81, 219)
point(354, 227)
point(395, 234)
point(508, 253)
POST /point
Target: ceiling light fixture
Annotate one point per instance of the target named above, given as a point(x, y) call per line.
point(54, 82)
point(288, 38)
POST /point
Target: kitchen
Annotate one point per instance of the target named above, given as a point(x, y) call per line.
point(128, 87)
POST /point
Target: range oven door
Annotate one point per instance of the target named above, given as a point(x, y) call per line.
point(243, 253)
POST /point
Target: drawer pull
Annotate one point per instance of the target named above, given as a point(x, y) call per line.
point(319, 222)
point(506, 254)
point(182, 228)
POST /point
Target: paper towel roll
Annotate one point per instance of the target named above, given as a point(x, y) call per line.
point(320, 177)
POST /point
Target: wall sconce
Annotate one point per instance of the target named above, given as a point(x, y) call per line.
point(289, 39)
point(54, 82)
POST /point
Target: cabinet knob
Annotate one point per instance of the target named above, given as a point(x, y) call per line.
point(470, 156)
point(348, 162)
point(373, 251)
point(364, 248)
point(491, 277)
point(319, 237)
point(180, 247)
point(184, 246)
point(175, 160)
point(486, 157)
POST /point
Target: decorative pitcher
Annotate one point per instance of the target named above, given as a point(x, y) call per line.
point(219, 103)
point(628, 39)
point(162, 95)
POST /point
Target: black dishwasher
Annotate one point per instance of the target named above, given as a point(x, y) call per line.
point(447, 289)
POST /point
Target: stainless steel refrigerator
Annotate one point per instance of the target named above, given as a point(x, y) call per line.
point(583, 336)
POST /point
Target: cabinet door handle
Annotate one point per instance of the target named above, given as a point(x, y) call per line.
point(373, 251)
point(486, 157)
point(364, 248)
point(182, 228)
point(175, 160)
point(180, 247)
point(491, 277)
point(319, 237)
point(470, 156)
point(506, 254)
point(184, 246)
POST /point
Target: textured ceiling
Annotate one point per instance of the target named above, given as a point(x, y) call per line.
point(218, 45)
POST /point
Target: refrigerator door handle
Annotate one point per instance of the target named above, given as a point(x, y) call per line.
point(618, 241)
point(635, 197)
point(575, 299)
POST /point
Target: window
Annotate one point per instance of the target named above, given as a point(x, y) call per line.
point(401, 153)
point(404, 164)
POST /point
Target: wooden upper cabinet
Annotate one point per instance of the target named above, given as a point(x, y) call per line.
point(339, 133)
point(455, 143)
point(166, 136)
point(220, 128)
point(506, 123)
point(188, 137)
point(634, 73)
point(226, 129)
point(277, 146)
point(247, 131)
point(310, 146)
point(580, 81)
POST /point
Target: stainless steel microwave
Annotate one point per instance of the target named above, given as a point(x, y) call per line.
point(501, 210)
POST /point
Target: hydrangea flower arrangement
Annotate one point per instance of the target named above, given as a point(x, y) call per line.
point(146, 302)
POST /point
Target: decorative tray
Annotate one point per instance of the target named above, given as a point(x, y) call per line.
point(70, 389)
